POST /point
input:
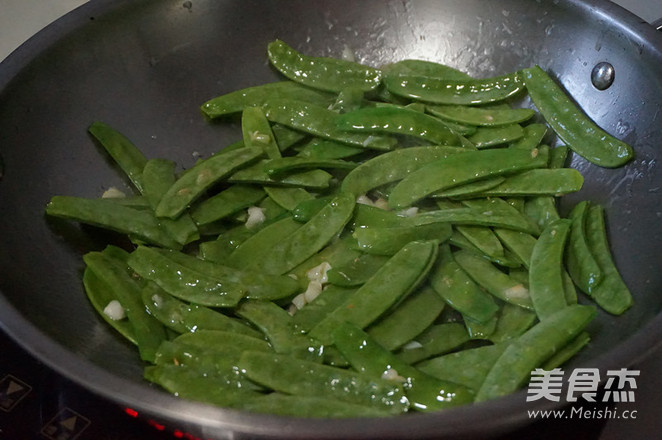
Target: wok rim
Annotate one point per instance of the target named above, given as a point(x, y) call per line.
point(496, 417)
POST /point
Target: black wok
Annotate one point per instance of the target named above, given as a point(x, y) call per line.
point(144, 67)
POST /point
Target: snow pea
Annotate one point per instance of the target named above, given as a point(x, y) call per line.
point(130, 159)
point(327, 74)
point(226, 203)
point(424, 392)
point(454, 91)
point(469, 190)
point(487, 117)
point(237, 101)
point(486, 137)
point(520, 243)
point(350, 98)
point(463, 168)
point(612, 294)
point(532, 349)
point(196, 180)
point(298, 377)
point(538, 182)
point(107, 214)
point(184, 317)
point(326, 149)
point(492, 279)
point(512, 322)
point(320, 121)
point(313, 312)
point(288, 198)
point(484, 239)
point(546, 274)
point(389, 240)
point(398, 120)
point(391, 283)
point(582, 265)
point(285, 165)
point(407, 320)
point(392, 166)
point(567, 352)
point(257, 133)
point(575, 128)
point(219, 250)
point(255, 174)
point(506, 260)
point(355, 271)
point(435, 340)
point(423, 68)
point(148, 332)
point(157, 177)
point(308, 239)
point(190, 383)
point(533, 135)
point(453, 284)
point(480, 330)
point(100, 294)
point(205, 283)
point(466, 367)
point(279, 328)
point(541, 210)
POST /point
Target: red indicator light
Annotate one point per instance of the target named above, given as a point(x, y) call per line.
point(131, 412)
point(156, 425)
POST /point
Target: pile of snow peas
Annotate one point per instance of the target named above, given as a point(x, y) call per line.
point(378, 241)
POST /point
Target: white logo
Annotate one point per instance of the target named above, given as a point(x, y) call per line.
point(583, 383)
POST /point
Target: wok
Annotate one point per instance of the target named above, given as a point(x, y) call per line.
point(145, 67)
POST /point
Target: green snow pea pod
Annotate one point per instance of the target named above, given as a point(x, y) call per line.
point(307, 406)
point(486, 137)
point(288, 198)
point(435, 340)
point(157, 177)
point(541, 210)
point(196, 180)
point(348, 99)
point(101, 294)
point(224, 342)
point(226, 203)
point(183, 317)
point(458, 169)
point(484, 239)
point(306, 209)
point(331, 297)
point(219, 250)
point(424, 392)
point(256, 174)
point(130, 159)
point(468, 190)
point(533, 136)
point(538, 182)
point(558, 156)
point(279, 328)
point(325, 149)
point(368, 216)
point(465, 367)
point(298, 377)
point(285, 165)
point(327, 74)
point(454, 91)
point(512, 322)
point(398, 120)
point(546, 274)
point(487, 117)
point(309, 239)
point(532, 349)
point(582, 265)
point(355, 271)
point(391, 283)
point(407, 320)
point(423, 68)
point(256, 132)
point(105, 213)
point(567, 352)
point(237, 101)
point(388, 241)
point(320, 121)
point(148, 332)
point(567, 120)
point(453, 284)
point(519, 243)
point(506, 260)
point(612, 294)
point(493, 280)
point(392, 166)
point(480, 330)
point(191, 383)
